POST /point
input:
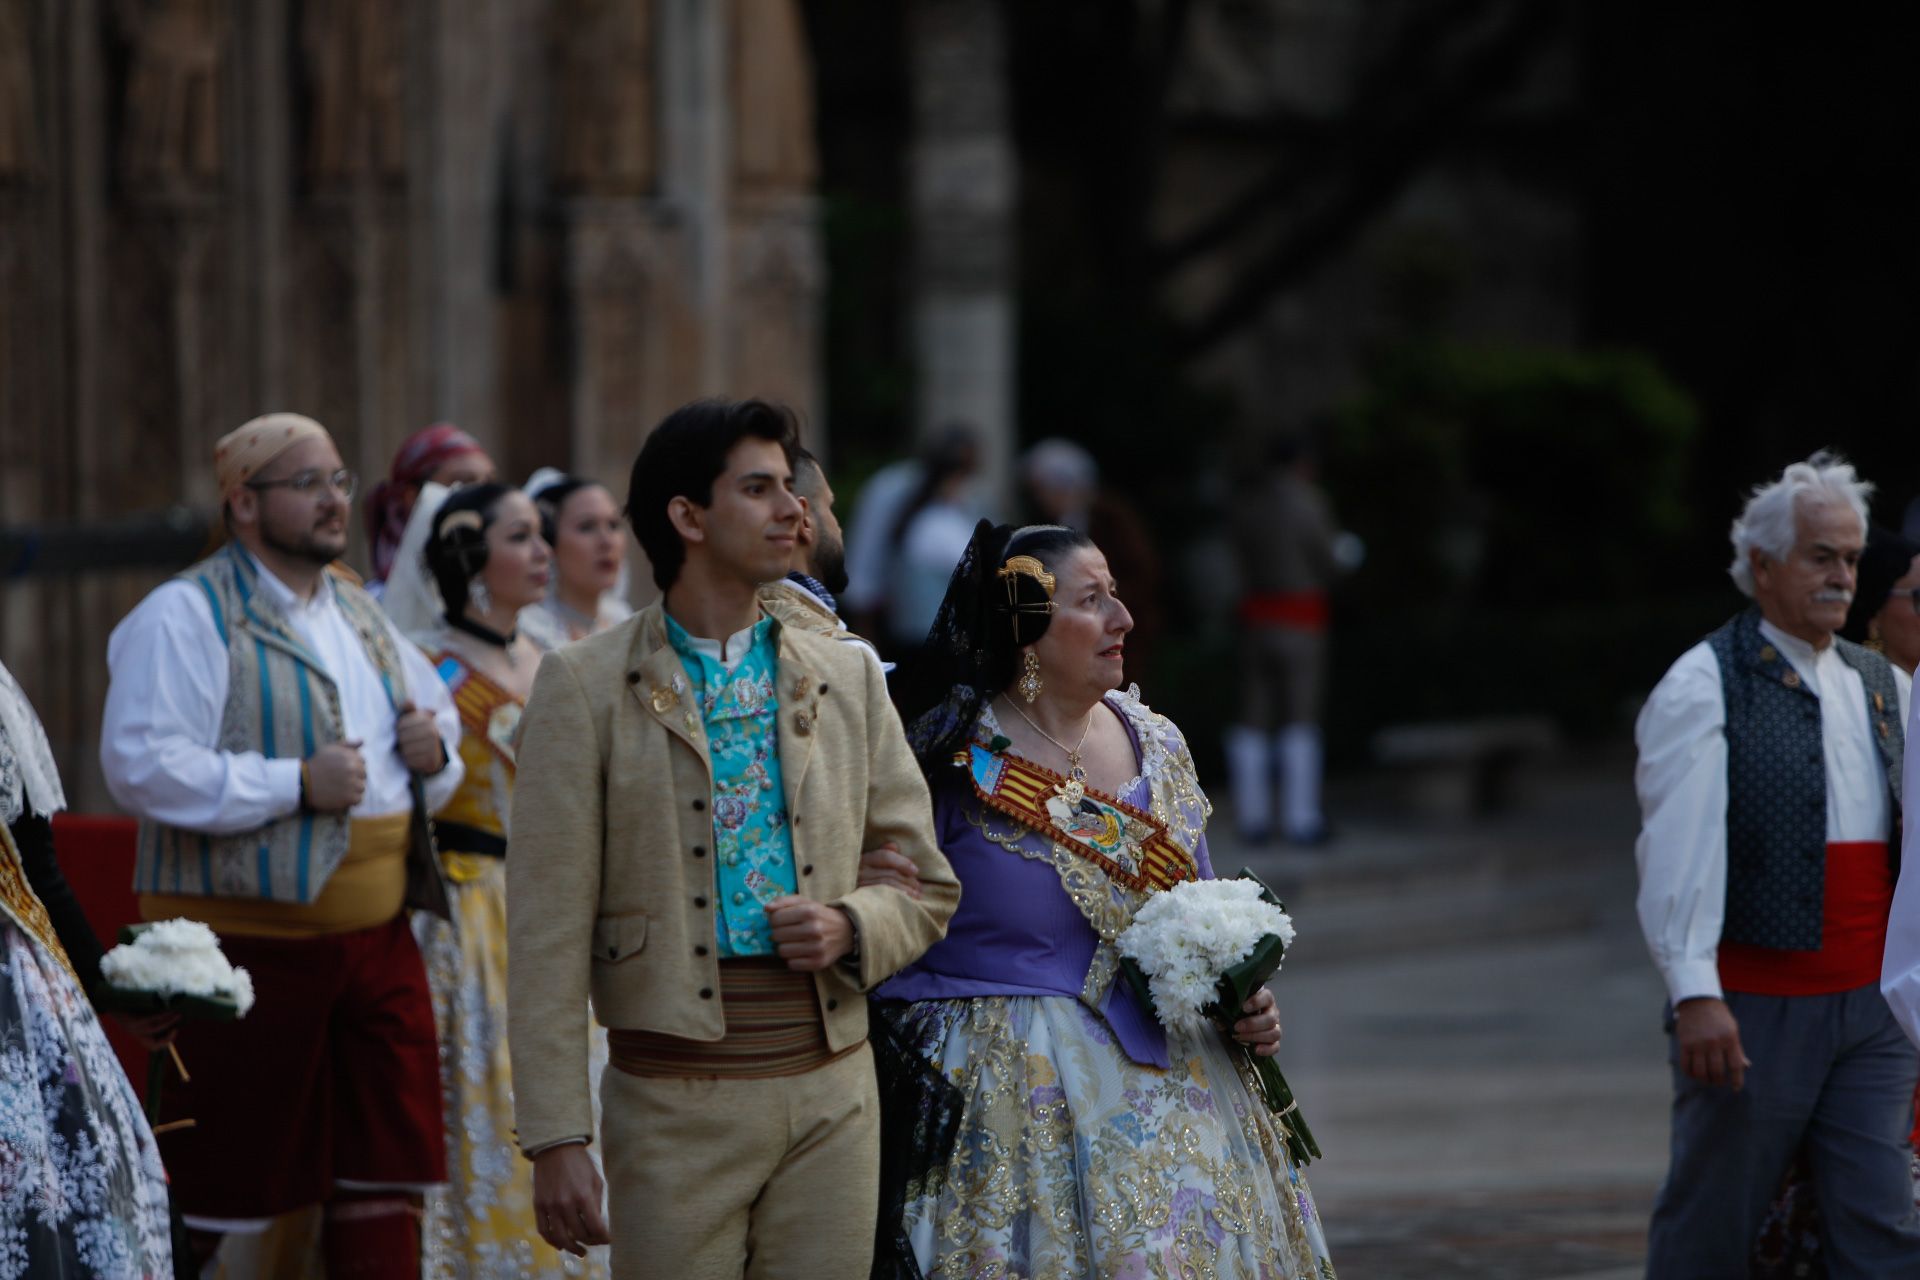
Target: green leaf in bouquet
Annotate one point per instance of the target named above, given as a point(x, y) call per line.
point(140, 1004)
point(1241, 980)
point(1237, 986)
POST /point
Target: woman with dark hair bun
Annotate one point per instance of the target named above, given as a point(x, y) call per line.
point(488, 560)
point(1089, 1140)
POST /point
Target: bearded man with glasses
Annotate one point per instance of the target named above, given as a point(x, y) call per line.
point(282, 746)
point(1770, 781)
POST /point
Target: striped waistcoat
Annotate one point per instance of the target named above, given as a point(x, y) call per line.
point(282, 703)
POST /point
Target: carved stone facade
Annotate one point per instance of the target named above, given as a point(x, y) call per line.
point(548, 220)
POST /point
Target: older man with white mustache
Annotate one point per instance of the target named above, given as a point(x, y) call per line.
point(1769, 782)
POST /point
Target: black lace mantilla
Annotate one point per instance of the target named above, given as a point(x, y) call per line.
point(919, 1123)
point(975, 640)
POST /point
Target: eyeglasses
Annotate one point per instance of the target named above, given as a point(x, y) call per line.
point(342, 481)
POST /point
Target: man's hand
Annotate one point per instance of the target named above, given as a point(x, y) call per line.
point(566, 1199)
point(336, 777)
point(1708, 1038)
point(809, 935)
point(890, 867)
point(1261, 1027)
point(419, 741)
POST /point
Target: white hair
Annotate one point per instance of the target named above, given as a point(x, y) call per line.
point(1767, 523)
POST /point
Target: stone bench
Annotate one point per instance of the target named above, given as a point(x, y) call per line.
point(1462, 768)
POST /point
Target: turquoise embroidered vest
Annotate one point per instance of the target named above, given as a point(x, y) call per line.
point(281, 703)
point(752, 844)
point(1777, 783)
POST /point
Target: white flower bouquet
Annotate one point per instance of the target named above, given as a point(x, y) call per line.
point(172, 966)
point(1197, 952)
point(175, 966)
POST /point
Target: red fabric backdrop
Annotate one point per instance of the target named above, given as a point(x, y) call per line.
point(97, 856)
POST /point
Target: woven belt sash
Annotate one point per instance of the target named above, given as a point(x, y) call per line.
point(773, 1029)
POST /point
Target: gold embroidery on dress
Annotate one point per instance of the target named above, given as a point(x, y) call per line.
point(1103, 903)
point(1096, 1174)
point(1026, 1157)
point(23, 905)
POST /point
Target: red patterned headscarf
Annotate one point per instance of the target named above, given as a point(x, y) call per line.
point(391, 502)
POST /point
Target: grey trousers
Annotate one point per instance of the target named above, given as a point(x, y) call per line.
point(1833, 1070)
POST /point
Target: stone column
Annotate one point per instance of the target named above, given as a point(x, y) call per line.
point(458, 166)
point(775, 266)
point(963, 181)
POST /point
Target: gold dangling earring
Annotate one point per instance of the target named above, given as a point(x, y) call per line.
point(1029, 685)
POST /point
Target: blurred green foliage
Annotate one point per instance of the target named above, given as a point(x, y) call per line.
point(1523, 509)
point(1501, 475)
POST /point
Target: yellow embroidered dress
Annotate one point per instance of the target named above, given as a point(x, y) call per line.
point(482, 1226)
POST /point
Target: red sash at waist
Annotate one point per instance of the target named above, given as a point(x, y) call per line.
point(1302, 610)
point(1853, 934)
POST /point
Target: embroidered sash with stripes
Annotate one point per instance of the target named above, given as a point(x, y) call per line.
point(487, 711)
point(1124, 842)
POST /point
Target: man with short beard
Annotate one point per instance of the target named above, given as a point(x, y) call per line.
point(807, 596)
point(280, 744)
point(1770, 785)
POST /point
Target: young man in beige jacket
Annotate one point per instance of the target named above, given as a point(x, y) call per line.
point(696, 787)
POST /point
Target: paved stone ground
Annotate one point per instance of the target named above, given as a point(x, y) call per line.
point(1473, 1030)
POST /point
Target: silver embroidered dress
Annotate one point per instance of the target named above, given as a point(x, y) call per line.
point(1092, 1142)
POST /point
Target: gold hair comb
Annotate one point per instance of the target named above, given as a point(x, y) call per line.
point(1032, 568)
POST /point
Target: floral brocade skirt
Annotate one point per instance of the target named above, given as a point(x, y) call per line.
point(82, 1191)
point(481, 1226)
point(1075, 1161)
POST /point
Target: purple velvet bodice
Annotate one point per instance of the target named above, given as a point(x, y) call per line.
point(1016, 933)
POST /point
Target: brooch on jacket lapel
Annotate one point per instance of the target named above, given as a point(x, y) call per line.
point(805, 719)
point(665, 699)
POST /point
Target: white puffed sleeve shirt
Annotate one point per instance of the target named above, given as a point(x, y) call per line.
point(1900, 968)
point(169, 691)
point(1681, 779)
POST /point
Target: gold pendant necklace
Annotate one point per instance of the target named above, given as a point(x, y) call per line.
point(1074, 789)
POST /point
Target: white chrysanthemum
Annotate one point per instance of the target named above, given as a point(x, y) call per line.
point(1184, 938)
point(178, 957)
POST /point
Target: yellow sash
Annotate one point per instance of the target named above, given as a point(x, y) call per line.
point(1127, 844)
point(366, 889)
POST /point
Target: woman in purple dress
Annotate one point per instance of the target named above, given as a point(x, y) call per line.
point(1089, 1140)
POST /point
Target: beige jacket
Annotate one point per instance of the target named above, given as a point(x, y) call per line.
point(609, 874)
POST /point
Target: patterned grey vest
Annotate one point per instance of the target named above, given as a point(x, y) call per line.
point(1777, 782)
point(282, 703)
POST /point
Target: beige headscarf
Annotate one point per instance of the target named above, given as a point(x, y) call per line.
point(241, 453)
